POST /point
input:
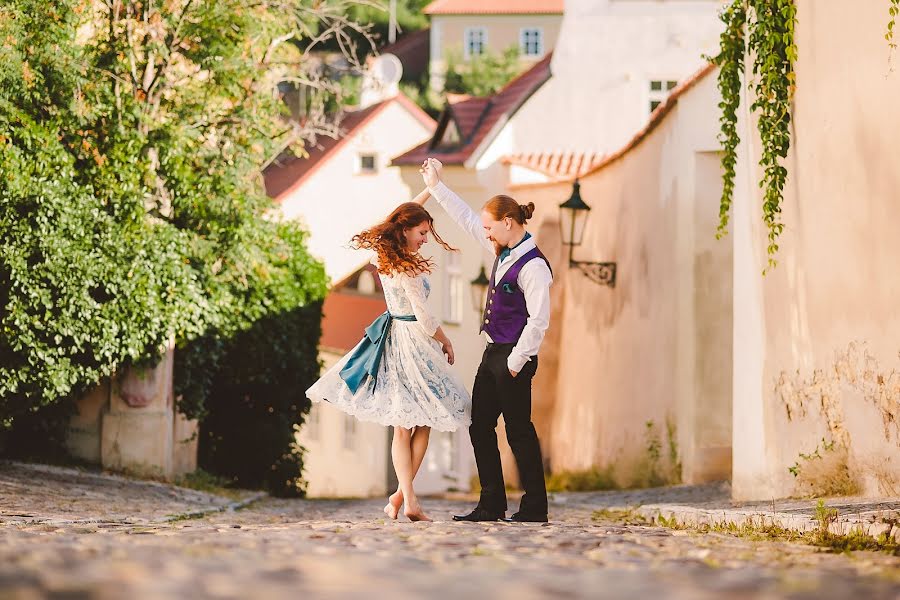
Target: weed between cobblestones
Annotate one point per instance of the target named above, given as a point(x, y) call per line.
point(625, 516)
point(202, 481)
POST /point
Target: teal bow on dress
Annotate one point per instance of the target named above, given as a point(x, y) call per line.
point(366, 358)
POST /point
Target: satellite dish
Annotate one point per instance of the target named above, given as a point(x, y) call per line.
point(387, 69)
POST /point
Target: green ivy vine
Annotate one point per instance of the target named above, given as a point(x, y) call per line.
point(765, 29)
point(893, 11)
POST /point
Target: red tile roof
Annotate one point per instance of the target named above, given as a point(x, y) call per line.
point(346, 312)
point(556, 164)
point(476, 118)
point(345, 316)
point(285, 175)
point(655, 119)
point(494, 7)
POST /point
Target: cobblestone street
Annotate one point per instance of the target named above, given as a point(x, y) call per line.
point(75, 535)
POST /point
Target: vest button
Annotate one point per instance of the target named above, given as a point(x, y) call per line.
point(489, 311)
point(487, 321)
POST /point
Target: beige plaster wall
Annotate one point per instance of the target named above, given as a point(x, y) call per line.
point(643, 380)
point(816, 340)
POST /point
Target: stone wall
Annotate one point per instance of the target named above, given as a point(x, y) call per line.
point(134, 426)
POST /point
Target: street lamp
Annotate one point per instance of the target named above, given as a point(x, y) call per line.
point(478, 288)
point(572, 221)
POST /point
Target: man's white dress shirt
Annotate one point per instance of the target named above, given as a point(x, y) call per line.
point(534, 278)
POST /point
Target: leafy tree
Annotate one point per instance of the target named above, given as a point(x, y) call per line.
point(376, 16)
point(482, 75)
point(133, 135)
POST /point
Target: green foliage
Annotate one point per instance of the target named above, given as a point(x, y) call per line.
point(203, 481)
point(814, 455)
point(132, 137)
point(626, 516)
point(582, 481)
point(893, 10)
point(825, 516)
point(765, 29)
point(422, 94)
point(482, 75)
point(822, 537)
point(375, 15)
point(730, 60)
point(259, 388)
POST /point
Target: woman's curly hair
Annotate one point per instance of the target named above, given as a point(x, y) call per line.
point(389, 243)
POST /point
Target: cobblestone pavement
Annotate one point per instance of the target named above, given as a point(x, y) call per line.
point(345, 548)
point(40, 493)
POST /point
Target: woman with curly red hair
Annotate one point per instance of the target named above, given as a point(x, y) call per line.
point(398, 375)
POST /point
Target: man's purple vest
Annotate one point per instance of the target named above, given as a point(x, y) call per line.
point(505, 311)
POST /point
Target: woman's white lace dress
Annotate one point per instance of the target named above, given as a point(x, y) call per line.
point(414, 385)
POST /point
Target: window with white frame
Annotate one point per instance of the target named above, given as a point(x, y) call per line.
point(454, 288)
point(368, 163)
point(475, 42)
point(349, 432)
point(659, 91)
point(531, 41)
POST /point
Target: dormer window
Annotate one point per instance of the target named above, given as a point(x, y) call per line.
point(448, 135)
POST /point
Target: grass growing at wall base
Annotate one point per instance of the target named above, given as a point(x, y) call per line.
point(821, 537)
point(651, 468)
point(582, 481)
point(202, 481)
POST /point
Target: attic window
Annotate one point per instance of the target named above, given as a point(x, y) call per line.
point(449, 137)
point(367, 164)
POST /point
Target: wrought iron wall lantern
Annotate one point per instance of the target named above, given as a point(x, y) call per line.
point(572, 222)
point(478, 287)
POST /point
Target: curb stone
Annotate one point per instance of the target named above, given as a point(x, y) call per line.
point(688, 515)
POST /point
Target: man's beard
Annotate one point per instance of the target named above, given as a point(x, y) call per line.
point(498, 248)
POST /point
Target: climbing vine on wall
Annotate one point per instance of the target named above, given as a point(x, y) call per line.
point(765, 29)
point(889, 36)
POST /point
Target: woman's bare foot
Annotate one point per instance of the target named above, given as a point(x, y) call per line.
point(415, 514)
point(395, 501)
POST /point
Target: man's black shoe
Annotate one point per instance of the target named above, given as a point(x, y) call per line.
point(480, 514)
point(520, 518)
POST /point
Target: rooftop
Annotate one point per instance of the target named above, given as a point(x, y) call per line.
point(468, 122)
point(494, 7)
point(287, 173)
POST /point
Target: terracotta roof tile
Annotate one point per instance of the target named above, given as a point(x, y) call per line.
point(475, 118)
point(556, 164)
point(346, 312)
point(345, 317)
point(494, 7)
point(656, 118)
